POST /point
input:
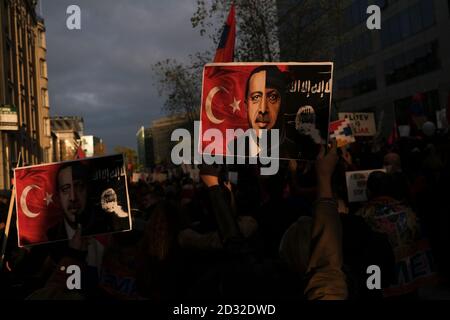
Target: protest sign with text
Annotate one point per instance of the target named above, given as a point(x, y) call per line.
point(293, 98)
point(54, 200)
point(362, 123)
point(357, 184)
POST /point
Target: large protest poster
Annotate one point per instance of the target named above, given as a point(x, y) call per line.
point(362, 123)
point(357, 184)
point(294, 98)
point(53, 200)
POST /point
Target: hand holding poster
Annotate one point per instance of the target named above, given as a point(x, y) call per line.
point(341, 131)
point(53, 200)
point(292, 99)
point(357, 184)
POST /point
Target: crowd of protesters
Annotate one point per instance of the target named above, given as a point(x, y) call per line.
point(289, 236)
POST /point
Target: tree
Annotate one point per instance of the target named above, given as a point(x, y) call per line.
point(181, 84)
point(99, 149)
point(309, 29)
point(130, 156)
point(256, 32)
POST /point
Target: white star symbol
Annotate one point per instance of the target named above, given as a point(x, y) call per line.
point(48, 198)
point(235, 105)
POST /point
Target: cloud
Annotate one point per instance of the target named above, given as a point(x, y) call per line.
point(103, 71)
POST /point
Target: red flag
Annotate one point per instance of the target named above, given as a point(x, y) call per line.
point(80, 153)
point(393, 137)
point(223, 100)
point(37, 206)
point(225, 50)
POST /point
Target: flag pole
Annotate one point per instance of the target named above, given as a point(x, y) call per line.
point(8, 219)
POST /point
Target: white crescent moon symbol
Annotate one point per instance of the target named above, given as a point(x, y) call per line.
point(23, 202)
point(208, 105)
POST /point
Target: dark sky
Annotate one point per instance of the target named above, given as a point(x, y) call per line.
point(103, 72)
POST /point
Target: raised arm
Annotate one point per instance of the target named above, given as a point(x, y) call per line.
point(326, 280)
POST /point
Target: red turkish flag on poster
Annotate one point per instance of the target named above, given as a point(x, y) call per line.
point(37, 207)
point(223, 96)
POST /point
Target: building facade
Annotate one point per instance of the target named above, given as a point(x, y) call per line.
point(24, 103)
point(144, 139)
point(161, 131)
point(382, 71)
point(92, 146)
point(66, 137)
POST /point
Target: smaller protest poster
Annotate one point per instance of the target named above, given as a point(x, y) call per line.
point(362, 123)
point(341, 131)
point(54, 200)
point(357, 184)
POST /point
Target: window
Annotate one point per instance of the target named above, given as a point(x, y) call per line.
point(358, 83)
point(11, 94)
point(29, 45)
point(19, 33)
point(43, 67)
point(44, 94)
point(413, 63)
point(396, 31)
point(405, 25)
point(354, 50)
point(9, 62)
point(47, 127)
point(355, 13)
point(426, 9)
point(381, 3)
point(31, 84)
point(416, 18)
point(411, 21)
point(41, 39)
point(21, 71)
point(23, 111)
point(33, 119)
